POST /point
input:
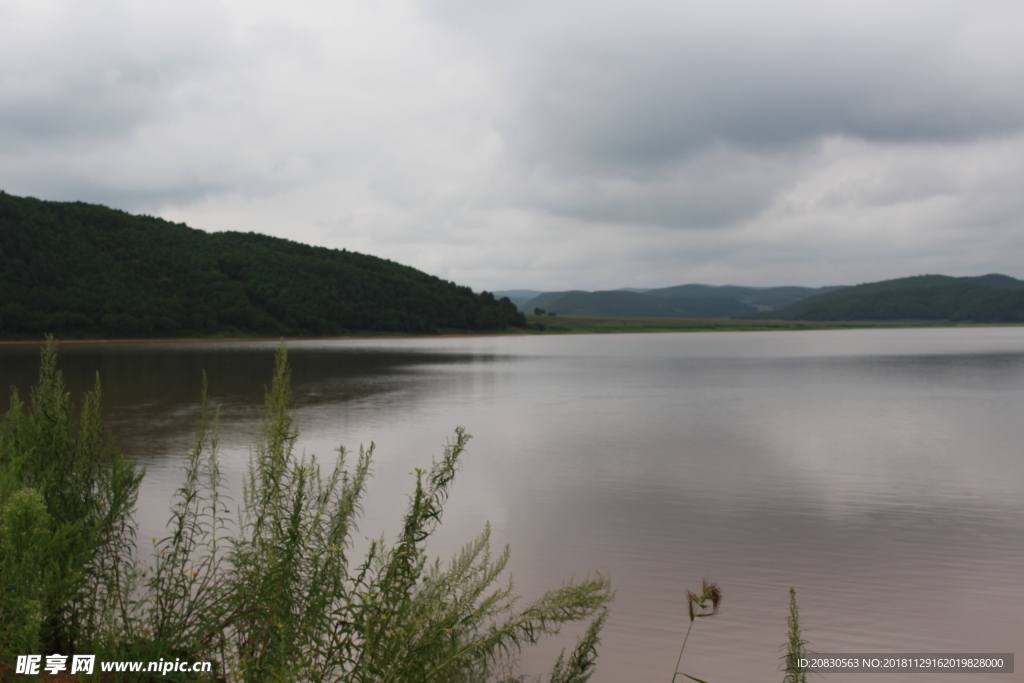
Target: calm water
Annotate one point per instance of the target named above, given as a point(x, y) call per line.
point(879, 472)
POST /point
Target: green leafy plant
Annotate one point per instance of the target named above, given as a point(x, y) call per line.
point(25, 545)
point(186, 602)
point(66, 526)
point(299, 609)
point(796, 646)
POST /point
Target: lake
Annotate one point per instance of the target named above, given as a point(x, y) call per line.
point(879, 472)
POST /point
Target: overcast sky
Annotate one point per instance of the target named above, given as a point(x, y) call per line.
point(556, 144)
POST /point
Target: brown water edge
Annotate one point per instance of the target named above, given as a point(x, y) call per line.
point(596, 324)
point(567, 324)
point(207, 340)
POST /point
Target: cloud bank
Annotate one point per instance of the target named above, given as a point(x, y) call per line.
point(544, 145)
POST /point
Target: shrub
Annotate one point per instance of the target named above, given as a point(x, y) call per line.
point(66, 527)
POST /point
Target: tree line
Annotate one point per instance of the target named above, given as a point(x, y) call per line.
point(87, 271)
point(983, 299)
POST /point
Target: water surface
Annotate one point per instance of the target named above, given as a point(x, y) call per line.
point(879, 472)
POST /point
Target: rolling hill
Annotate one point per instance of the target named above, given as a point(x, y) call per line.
point(83, 270)
point(682, 301)
point(983, 299)
point(992, 298)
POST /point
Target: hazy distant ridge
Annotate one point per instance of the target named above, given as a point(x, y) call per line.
point(985, 298)
point(682, 301)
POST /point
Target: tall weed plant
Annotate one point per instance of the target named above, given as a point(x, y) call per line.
point(67, 534)
point(272, 594)
point(796, 646)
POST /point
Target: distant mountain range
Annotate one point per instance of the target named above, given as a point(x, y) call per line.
point(986, 298)
point(683, 301)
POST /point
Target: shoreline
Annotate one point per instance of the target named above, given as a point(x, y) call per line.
point(583, 325)
point(190, 340)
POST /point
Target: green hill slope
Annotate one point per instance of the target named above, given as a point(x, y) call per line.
point(624, 303)
point(682, 301)
point(988, 298)
point(763, 298)
point(84, 270)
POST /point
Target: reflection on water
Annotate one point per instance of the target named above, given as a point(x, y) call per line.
point(877, 471)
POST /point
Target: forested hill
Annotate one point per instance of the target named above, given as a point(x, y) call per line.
point(682, 301)
point(82, 270)
point(984, 299)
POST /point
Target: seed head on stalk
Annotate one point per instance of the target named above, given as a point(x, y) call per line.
point(697, 604)
point(709, 592)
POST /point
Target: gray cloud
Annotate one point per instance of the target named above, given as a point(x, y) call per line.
point(715, 187)
point(79, 73)
point(580, 144)
point(625, 85)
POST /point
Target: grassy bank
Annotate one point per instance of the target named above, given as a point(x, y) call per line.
point(561, 324)
point(602, 324)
